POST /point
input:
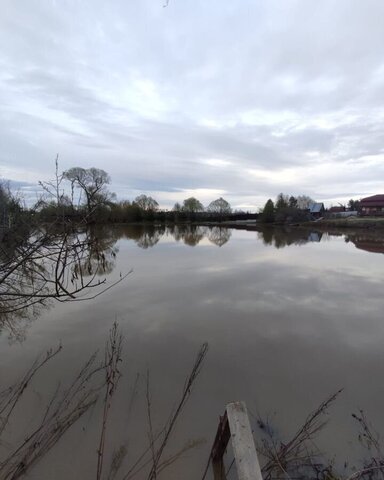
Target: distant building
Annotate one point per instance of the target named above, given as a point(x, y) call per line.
point(336, 209)
point(372, 205)
point(316, 210)
point(346, 214)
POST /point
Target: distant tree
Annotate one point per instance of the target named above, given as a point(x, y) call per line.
point(282, 202)
point(177, 207)
point(268, 213)
point(354, 205)
point(304, 202)
point(288, 211)
point(10, 206)
point(146, 203)
point(54, 190)
point(92, 182)
point(192, 205)
point(291, 215)
point(54, 202)
point(219, 206)
point(292, 202)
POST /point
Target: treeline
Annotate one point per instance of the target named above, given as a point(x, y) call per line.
point(14, 219)
point(291, 209)
point(10, 207)
point(142, 208)
point(145, 208)
point(286, 209)
point(83, 194)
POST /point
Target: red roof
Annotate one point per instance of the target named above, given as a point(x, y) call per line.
point(336, 209)
point(374, 201)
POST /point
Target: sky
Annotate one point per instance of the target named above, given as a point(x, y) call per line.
point(236, 99)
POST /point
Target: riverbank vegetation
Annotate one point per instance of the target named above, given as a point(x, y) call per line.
point(288, 209)
point(93, 388)
point(298, 456)
point(80, 195)
point(14, 218)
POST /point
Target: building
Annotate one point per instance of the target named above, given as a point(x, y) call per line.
point(372, 205)
point(336, 209)
point(316, 210)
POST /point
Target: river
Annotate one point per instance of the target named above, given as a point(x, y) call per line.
point(290, 318)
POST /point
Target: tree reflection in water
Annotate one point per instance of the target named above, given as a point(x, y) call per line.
point(191, 235)
point(145, 236)
point(219, 236)
point(48, 266)
point(369, 241)
point(59, 265)
point(283, 237)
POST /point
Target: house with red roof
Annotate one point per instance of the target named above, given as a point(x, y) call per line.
point(372, 205)
point(336, 209)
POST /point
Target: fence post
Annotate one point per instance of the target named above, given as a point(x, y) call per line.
point(235, 425)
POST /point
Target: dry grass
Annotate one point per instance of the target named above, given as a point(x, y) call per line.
point(96, 381)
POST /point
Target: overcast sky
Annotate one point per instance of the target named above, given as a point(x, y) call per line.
point(241, 99)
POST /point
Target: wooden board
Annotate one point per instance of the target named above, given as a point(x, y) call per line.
point(247, 463)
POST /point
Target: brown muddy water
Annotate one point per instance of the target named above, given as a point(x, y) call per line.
point(290, 317)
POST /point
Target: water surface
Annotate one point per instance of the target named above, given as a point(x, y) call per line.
point(289, 317)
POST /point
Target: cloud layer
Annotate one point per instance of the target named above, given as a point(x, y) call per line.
point(234, 99)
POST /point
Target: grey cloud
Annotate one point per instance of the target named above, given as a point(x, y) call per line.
point(83, 80)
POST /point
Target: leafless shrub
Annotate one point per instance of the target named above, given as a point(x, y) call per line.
point(12, 395)
point(299, 458)
point(64, 408)
point(373, 465)
point(153, 455)
point(112, 377)
point(296, 457)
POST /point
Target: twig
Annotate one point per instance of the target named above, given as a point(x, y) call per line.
point(112, 377)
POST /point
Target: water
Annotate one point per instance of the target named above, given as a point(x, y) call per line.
point(290, 318)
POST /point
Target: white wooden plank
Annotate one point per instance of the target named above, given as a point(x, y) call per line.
point(247, 463)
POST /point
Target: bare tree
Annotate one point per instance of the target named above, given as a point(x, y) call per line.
point(192, 205)
point(304, 202)
point(92, 182)
point(146, 203)
point(53, 188)
point(219, 206)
